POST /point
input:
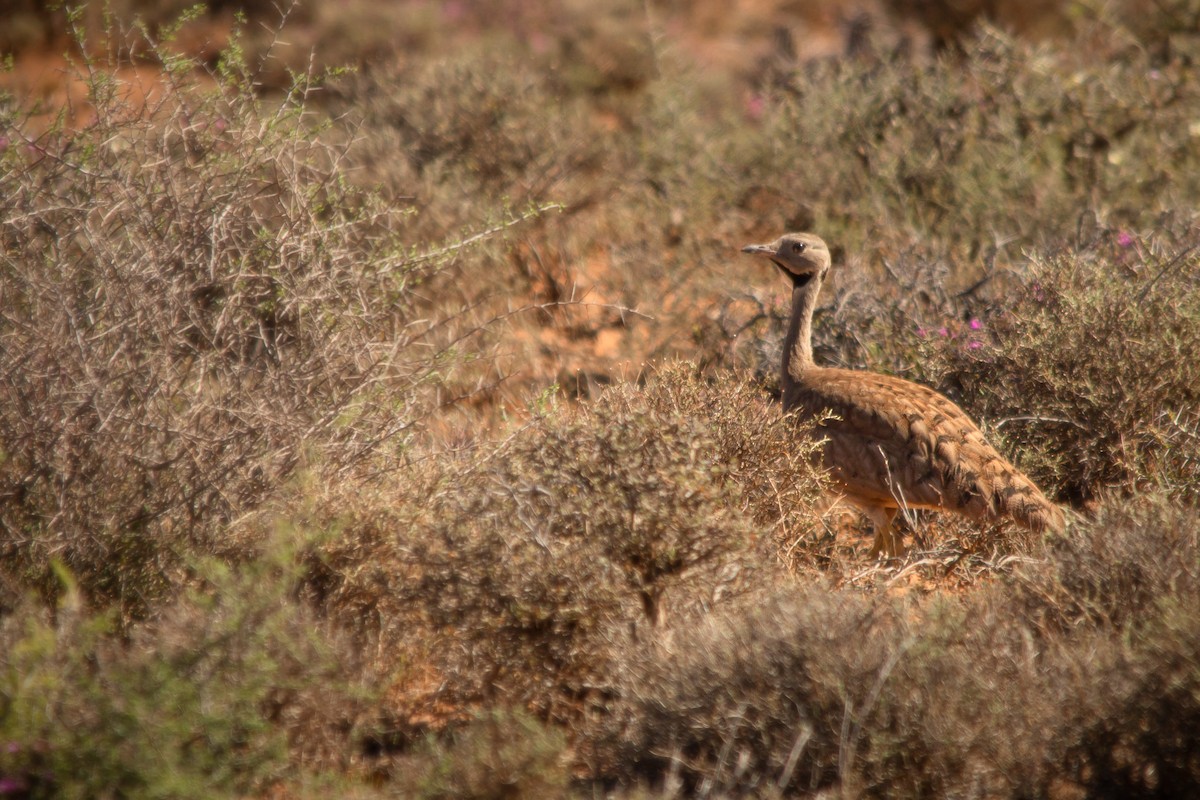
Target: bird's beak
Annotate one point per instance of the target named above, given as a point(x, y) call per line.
point(759, 250)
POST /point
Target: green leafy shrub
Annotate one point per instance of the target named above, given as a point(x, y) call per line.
point(498, 754)
point(213, 699)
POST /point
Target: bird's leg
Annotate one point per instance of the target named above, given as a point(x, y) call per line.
point(887, 541)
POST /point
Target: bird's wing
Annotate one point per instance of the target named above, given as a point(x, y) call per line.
point(895, 442)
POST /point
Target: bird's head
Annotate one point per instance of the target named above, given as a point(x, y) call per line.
point(801, 256)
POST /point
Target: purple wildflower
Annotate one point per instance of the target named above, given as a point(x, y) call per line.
point(1124, 239)
point(943, 331)
point(12, 786)
point(922, 331)
point(974, 345)
point(975, 324)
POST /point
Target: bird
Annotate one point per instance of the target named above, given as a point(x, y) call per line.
point(889, 444)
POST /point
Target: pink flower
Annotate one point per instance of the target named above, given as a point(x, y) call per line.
point(756, 106)
point(974, 345)
point(1124, 239)
point(12, 786)
point(943, 331)
point(975, 324)
point(921, 331)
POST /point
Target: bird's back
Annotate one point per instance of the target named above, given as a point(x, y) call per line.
point(894, 443)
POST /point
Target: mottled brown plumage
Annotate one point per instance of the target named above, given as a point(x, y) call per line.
point(892, 444)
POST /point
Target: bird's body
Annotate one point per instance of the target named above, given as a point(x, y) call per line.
point(891, 444)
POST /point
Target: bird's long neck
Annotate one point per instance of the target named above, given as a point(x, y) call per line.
point(797, 346)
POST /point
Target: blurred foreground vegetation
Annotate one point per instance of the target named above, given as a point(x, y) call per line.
point(410, 431)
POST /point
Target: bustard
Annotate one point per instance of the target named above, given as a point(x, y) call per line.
point(892, 444)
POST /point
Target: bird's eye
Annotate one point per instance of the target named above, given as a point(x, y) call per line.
point(797, 247)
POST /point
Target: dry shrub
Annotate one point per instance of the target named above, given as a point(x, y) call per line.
point(1126, 588)
point(1091, 372)
point(1166, 28)
point(951, 170)
point(806, 690)
point(1116, 570)
point(769, 457)
point(815, 690)
point(505, 131)
point(933, 181)
point(1129, 731)
point(757, 696)
point(924, 153)
point(478, 131)
point(194, 303)
point(515, 573)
